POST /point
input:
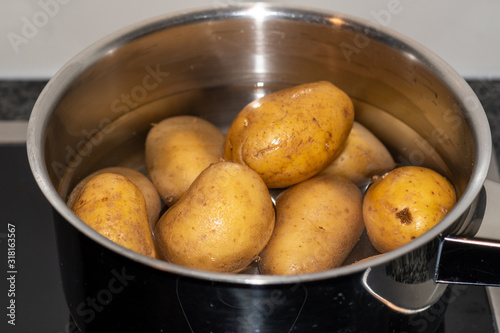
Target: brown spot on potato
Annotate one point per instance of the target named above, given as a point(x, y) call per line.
point(405, 216)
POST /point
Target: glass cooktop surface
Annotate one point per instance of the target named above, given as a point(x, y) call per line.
point(31, 291)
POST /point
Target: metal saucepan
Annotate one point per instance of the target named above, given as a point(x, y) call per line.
point(96, 111)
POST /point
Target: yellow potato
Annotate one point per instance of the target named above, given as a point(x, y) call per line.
point(151, 196)
point(403, 204)
point(177, 150)
point(362, 157)
point(291, 135)
point(115, 207)
point(221, 223)
point(318, 223)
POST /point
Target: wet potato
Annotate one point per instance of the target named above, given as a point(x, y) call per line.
point(318, 222)
point(151, 196)
point(292, 134)
point(178, 149)
point(363, 156)
point(114, 207)
point(405, 203)
point(221, 223)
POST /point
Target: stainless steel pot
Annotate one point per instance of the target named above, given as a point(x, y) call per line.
point(96, 111)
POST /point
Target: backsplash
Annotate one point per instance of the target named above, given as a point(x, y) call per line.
point(39, 36)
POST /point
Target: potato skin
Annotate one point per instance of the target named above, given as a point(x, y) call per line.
point(151, 196)
point(178, 149)
point(221, 223)
point(115, 207)
point(318, 223)
point(291, 135)
point(405, 203)
point(362, 157)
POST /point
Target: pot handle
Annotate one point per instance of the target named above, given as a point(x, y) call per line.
point(474, 261)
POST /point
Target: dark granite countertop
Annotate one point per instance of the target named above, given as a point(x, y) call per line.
point(17, 99)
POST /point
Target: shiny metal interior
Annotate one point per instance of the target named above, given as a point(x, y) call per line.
point(97, 110)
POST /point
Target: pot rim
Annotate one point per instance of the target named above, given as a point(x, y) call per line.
point(56, 86)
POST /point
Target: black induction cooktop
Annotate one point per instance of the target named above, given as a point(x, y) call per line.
point(30, 290)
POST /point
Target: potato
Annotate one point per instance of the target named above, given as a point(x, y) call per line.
point(318, 223)
point(291, 135)
point(403, 204)
point(362, 157)
point(221, 223)
point(178, 149)
point(115, 207)
point(151, 196)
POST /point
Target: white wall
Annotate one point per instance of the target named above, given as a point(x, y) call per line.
point(39, 36)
